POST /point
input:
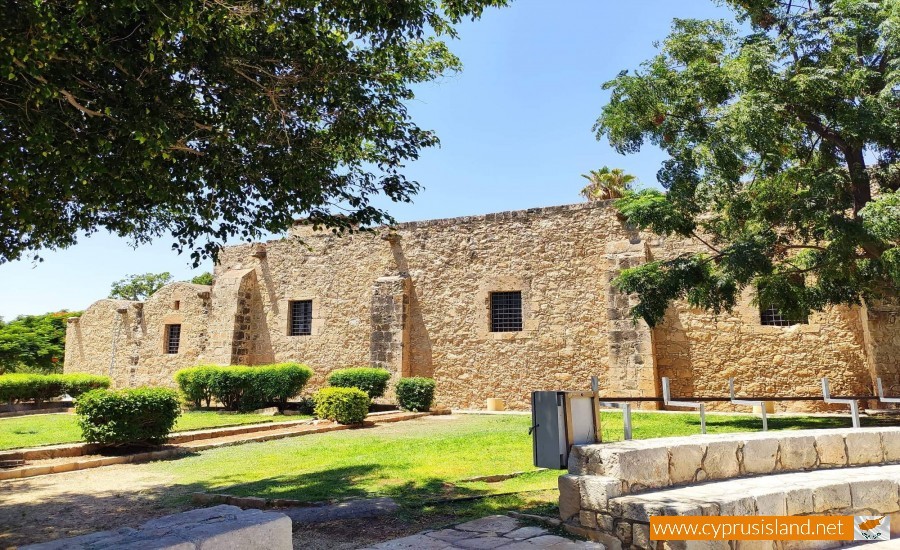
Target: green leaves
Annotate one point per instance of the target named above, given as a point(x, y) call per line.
point(139, 287)
point(778, 139)
point(210, 120)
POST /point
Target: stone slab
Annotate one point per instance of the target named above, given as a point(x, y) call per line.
point(354, 509)
point(221, 527)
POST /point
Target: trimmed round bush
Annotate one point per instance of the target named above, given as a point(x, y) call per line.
point(284, 381)
point(242, 388)
point(343, 405)
point(139, 416)
point(373, 381)
point(415, 394)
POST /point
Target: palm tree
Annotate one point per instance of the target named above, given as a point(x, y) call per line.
point(606, 184)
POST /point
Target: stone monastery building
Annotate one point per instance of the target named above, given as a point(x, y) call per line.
point(489, 306)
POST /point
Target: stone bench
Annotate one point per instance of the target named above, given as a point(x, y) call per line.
point(612, 489)
point(220, 527)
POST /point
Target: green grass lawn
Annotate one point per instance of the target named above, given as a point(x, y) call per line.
point(422, 462)
point(53, 429)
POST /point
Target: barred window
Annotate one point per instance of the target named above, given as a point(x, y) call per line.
point(173, 338)
point(301, 318)
point(773, 317)
point(506, 311)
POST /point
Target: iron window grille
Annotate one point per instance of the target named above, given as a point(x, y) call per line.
point(301, 318)
point(773, 317)
point(506, 311)
point(173, 338)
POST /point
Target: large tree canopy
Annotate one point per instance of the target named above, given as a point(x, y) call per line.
point(209, 118)
point(782, 130)
point(34, 343)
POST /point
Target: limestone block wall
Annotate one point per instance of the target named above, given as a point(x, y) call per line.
point(699, 351)
point(105, 340)
point(552, 255)
point(182, 304)
point(125, 340)
point(416, 299)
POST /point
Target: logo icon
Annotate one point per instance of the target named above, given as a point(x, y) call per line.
point(871, 528)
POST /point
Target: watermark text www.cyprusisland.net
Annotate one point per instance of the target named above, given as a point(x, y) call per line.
point(769, 528)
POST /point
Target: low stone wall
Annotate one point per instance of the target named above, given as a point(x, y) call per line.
point(220, 527)
point(612, 489)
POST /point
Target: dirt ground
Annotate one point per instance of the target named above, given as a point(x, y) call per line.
point(45, 508)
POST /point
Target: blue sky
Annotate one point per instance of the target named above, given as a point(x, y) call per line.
point(515, 127)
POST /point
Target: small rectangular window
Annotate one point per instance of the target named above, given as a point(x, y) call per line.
point(506, 311)
point(173, 338)
point(774, 318)
point(301, 318)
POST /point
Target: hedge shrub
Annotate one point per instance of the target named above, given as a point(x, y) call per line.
point(373, 381)
point(415, 394)
point(127, 417)
point(78, 384)
point(343, 405)
point(242, 388)
point(40, 387)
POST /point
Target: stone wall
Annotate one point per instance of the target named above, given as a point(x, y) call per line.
point(126, 340)
point(416, 299)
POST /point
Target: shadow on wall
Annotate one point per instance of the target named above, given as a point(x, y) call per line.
point(420, 362)
point(261, 351)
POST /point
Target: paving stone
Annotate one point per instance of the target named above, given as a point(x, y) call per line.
point(482, 542)
point(490, 524)
point(528, 532)
point(449, 535)
point(415, 542)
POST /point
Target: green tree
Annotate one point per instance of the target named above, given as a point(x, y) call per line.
point(34, 343)
point(205, 278)
point(782, 135)
point(139, 287)
point(606, 184)
point(210, 119)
